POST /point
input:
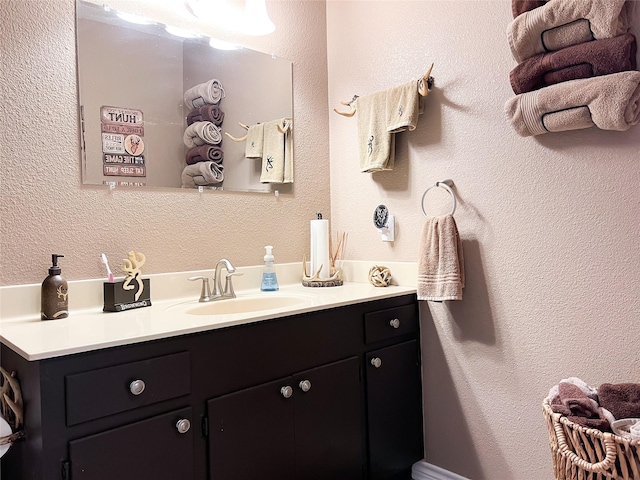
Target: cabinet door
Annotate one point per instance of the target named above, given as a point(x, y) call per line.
point(251, 433)
point(394, 400)
point(160, 448)
point(328, 422)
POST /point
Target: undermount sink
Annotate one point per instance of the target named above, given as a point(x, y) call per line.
point(246, 304)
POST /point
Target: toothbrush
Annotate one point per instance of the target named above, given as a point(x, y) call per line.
point(103, 257)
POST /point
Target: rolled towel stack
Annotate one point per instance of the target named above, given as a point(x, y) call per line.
point(559, 42)
point(208, 93)
point(208, 113)
point(202, 174)
point(203, 135)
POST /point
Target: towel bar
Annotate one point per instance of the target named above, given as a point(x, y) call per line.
point(425, 83)
point(446, 184)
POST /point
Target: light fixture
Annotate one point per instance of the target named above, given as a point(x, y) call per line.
point(253, 20)
point(180, 32)
point(222, 45)
point(137, 19)
point(256, 19)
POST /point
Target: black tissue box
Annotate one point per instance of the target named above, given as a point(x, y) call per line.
point(117, 299)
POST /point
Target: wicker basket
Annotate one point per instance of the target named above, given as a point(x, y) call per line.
point(581, 453)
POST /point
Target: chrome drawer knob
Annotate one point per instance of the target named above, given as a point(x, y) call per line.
point(286, 391)
point(305, 385)
point(137, 387)
point(395, 323)
point(183, 425)
point(376, 362)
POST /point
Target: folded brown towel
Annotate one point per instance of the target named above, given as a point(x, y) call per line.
point(518, 7)
point(440, 263)
point(204, 153)
point(622, 399)
point(578, 407)
point(610, 102)
point(208, 113)
point(562, 23)
point(585, 60)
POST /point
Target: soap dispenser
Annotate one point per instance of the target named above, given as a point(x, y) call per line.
point(269, 280)
point(54, 297)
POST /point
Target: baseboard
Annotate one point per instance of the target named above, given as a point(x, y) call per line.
point(425, 471)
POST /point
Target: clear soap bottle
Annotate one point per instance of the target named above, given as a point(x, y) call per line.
point(269, 279)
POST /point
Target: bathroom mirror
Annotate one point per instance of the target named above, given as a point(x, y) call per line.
point(131, 83)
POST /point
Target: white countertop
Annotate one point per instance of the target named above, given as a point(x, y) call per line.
point(90, 328)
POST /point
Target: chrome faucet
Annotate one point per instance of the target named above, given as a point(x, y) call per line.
point(228, 286)
point(218, 292)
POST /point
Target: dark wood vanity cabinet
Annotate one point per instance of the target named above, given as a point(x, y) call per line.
point(333, 394)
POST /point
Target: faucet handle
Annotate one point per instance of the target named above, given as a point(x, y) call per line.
point(205, 293)
point(228, 286)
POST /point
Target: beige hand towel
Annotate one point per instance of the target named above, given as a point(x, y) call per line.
point(208, 93)
point(277, 155)
point(255, 140)
point(202, 174)
point(610, 102)
point(376, 145)
point(440, 262)
point(404, 104)
point(562, 23)
point(201, 133)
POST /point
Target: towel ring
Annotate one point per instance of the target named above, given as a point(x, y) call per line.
point(446, 185)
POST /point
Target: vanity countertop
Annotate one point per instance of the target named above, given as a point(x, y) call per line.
point(92, 329)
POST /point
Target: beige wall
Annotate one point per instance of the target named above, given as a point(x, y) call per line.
point(45, 209)
point(550, 229)
point(549, 224)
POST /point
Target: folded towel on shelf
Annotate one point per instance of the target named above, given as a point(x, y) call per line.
point(204, 153)
point(610, 102)
point(277, 154)
point(622, 399)
point(585, 60)
point(202, 174)
point(254, 142)
point(579, 408)
point(403, 105)
point(562, 23)
point(208, 93)
point(201, 133)
point(440, 262)
point(208, 113)
point(376, 144)
point(518, 7)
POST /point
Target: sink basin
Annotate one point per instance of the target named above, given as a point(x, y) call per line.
point(248, 304)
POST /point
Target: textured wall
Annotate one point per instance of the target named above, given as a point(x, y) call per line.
point(45, 209)
point(550, 229)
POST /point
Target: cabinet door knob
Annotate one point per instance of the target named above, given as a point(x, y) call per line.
point(286, 391)
point(376, 362)
point(305, 385)
point(183, 425)
point(395, 323)
point(137, 387)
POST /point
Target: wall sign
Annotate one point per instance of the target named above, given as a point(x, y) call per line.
point(122, 142)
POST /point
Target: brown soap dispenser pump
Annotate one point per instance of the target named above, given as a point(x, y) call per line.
point(55, 302)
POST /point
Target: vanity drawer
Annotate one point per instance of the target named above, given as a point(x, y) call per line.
point(98, 393)
point(390, 323)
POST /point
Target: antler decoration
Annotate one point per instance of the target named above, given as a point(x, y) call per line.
point(133, 266)
point(238, 139)
point(353, 110)
point(11, 406)
point(425, 84)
